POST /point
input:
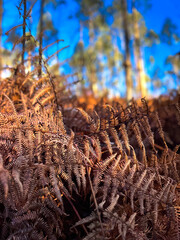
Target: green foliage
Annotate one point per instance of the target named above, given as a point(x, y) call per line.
point(169, 32)
point(151, 38)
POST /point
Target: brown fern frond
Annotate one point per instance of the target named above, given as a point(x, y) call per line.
point(97, 148)
point(145, 106)
point(4, 177)
point(136, 186)
point(113, 203)
point(106, 140)
point(160, 129)
point(144, 122)
point(47, 100)
point(140, 142)
point(100, 169)
point(30, 132)
point(39, 82)
point(16, 177)
point(118, 143)
point(125, 136)
point(131, 174)
point(177, 220)
point(55, 185)
point(40, 93)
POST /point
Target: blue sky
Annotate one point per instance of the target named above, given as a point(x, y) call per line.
point(154, 18)
point(68, 28)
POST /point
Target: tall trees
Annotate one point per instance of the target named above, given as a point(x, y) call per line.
point(174, 61)
point(109, 40)
point(139, 63)
point(170, 35)
point(137, 36)
point(113, 36)
point(127, 58)
point(99, 59)
point(45, 29)
point(90, 18)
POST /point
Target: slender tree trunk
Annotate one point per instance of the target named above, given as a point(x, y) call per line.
point(29, 61)
point(82, 64)
point(1, 12)
point(41, 30)
point(141, 81)
point(178, 73)
point(24, 32)
point(127, 57)
point(92, 67)
point(81, 32)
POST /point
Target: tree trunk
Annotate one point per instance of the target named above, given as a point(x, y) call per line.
point(92, 67)
point(127, 58)
point(41, 30)
point(24, 32)
point(82, 63)
point(29, 61)
point(1, 65)
point(141, 81)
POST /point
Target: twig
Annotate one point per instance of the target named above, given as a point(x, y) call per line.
point(57, 41)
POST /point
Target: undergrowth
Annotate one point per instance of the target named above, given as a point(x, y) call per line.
point(107, 173)
point(70, 172)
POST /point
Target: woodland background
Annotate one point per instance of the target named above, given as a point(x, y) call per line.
point(110, 46)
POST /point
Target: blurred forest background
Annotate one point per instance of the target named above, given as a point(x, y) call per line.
point(124, 48)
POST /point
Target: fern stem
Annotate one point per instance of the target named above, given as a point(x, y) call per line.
point(76, 212)
point(95, 201)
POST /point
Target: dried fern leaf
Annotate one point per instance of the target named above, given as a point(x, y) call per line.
point(4, 177)
point(132, 171)
point(28, 216)
point(114, 134)
point(55, 184)
point(97, 148)
point(106, 140)
point(100, 169)
point(136, 186)
point(160, 129)
point(137, 132)
point(85, 220)
point(106, 186)
point(16, 176)
point(40, 93)
point(112, 204)
point(125, 136)
point(36, 83)
point(177, 219)
point(125, 167)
